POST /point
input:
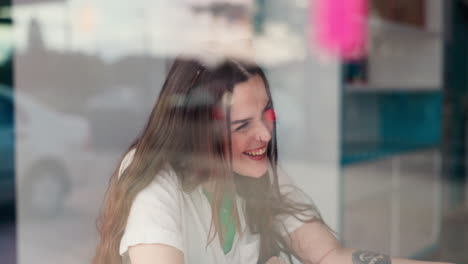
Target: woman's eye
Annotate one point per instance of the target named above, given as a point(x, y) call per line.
point(242, 126)
point(269, 115)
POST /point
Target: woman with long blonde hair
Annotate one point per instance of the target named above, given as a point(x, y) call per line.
point(202, 185)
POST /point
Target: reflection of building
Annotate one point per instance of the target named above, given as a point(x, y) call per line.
point(232, 13)
point(30, 2)
point(35, 37)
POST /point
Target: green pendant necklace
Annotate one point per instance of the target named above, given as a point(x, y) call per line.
point(228, 226)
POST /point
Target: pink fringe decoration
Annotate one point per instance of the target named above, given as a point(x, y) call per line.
point(340, 27)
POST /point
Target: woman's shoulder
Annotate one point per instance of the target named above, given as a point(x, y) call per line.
point(155, 216)
point(165, 178)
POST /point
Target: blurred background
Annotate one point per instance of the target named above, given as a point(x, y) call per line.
point(371, 98)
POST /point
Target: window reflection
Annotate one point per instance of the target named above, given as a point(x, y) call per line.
point(79, 79)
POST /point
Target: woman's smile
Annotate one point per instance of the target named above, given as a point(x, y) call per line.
point(257, 154)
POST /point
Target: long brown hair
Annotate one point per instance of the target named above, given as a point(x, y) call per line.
point(184, 132)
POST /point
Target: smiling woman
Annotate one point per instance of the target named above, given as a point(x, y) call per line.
point(207, 159)
point(201, 184)
point(250, 130)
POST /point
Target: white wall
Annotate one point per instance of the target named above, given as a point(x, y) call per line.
point(307, 100)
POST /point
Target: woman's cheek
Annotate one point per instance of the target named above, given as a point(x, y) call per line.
point(236, 147)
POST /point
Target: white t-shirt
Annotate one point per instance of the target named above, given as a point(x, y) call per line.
point(163, 213)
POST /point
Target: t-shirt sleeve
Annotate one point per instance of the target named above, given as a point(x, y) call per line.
point(289, 223)
point(155, 216)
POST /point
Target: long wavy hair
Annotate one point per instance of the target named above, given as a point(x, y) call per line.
point(184, 131)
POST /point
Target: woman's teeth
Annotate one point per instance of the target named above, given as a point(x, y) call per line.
point(256, 153)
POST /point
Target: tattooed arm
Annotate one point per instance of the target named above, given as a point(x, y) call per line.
point(316, 245)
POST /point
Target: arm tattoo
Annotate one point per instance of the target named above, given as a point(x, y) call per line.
point(367, 257)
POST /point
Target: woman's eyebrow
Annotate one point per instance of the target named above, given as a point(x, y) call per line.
point(241, 121)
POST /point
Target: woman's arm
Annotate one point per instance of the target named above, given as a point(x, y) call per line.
point(155, 253)
point(316, 245)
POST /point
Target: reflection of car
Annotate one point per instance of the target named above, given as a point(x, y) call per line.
point(50, 148)
point(116, 117)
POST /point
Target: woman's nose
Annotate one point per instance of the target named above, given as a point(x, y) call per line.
point(263, 132)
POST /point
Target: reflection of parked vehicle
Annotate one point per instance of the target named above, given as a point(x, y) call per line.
point(50, 148)
point(116, 117)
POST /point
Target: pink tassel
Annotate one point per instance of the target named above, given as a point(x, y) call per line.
point(340, 27)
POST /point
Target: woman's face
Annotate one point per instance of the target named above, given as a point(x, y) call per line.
point(252, 118)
